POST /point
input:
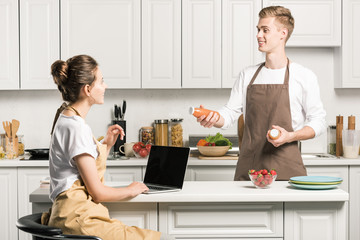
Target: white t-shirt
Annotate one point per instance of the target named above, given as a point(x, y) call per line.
point(305, 103)
point(71, 137)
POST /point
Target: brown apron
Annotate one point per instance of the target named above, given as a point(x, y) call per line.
point(75, 212)
point(267, 105)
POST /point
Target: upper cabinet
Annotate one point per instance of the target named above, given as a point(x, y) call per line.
point(109, 31)
point(9, 44)
point(348, 55)
point(239, 44)
point(39, 42)
point(317, 22)
point(161, 44)
point(201, 38)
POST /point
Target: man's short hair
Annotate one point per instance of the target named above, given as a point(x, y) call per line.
point(282, 15)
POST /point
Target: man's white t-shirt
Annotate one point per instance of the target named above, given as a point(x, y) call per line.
point(71, 137)
point(305, 103)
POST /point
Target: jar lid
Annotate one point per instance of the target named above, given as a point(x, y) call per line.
point(332, 126)
point(177, 119)
point(161, 121)
point(147, 128)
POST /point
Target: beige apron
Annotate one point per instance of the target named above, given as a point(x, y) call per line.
point(75, 213)
point(267, 105)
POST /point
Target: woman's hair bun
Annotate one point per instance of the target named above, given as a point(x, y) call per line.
point(59, 72)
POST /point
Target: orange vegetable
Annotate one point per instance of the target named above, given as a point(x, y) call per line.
point(201, 142)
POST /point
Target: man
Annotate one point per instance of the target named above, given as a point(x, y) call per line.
point(276, 94)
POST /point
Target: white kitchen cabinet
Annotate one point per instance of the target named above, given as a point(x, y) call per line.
point(239, 44)
point(39, 42)
point(142, 215)
point(201, 44)
point(218, 220)
point(210, 173)
point(161, 44)
point(333, 171)
point(315, 220)
point(28, 180)
point(9, 45)
point(317, 22)
point(123, 174)
point(354, 206)
point(348, 55)
point(109, 31)
point(8, 203)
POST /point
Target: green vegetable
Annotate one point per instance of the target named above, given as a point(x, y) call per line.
point(218, 138)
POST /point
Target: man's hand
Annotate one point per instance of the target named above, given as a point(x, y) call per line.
point(210, 120)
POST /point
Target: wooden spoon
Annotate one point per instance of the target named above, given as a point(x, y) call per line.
point(15, 127)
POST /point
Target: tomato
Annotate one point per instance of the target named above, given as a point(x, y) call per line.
point(143, 152)
point(137, 147)
point(148, 147)
point(141, 144)
point(201, 142)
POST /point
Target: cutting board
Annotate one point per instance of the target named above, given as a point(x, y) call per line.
point(225, 157)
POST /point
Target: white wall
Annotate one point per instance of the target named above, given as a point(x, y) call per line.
point(36, 109)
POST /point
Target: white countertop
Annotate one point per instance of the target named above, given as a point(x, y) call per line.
point(309, 160)
point(227, 191)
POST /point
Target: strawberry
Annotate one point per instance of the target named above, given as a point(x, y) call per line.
point(251, 171)
point(264, 172)
point(273, 172)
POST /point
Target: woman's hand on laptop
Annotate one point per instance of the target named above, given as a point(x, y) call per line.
point(136, 188)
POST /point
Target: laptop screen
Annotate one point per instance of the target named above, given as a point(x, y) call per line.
point(166, 166)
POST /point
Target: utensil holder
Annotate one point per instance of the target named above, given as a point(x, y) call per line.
point(11, 147)
point(119, 142)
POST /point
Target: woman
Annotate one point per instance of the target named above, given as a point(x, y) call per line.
point(78, 160)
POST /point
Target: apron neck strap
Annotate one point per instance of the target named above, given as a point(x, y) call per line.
point(60, 109)
point(73, 109)
point(286, 78)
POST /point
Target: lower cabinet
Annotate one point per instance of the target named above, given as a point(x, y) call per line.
point(8, 203)
point(221, 220)
point(334, 171)
point(210, 173)
point(28, 181)
point(123, 174)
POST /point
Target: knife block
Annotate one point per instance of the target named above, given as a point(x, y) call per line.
point(119, 142)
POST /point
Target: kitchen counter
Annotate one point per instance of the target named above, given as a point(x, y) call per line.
point(228, 210)
point(309, 160)
point(226, 191)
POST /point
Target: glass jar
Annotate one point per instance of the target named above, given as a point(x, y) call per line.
point(21, 145)
point(161, 132)
point(147, 135)
point(331, 137)
point(176, 139)
point(2, 146)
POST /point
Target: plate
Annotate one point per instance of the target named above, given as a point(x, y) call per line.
point(312, 187)
point(316, 183)
point(316, 179)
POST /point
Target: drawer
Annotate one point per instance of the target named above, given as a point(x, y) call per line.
point(221, 219)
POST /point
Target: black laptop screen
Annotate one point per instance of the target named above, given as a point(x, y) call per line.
point(166, 166)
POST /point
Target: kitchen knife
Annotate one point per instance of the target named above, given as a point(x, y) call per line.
point(123, 110)
point(116, 112)
point(120, 114)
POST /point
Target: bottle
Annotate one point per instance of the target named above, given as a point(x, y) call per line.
point(274, 134)
point(331, 140)
point(161, 132)
point(176, 139)
point(147, 135)
point(198, 112)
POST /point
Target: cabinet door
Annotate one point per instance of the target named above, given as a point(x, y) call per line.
point(28, 181)
point(210, 173)
point(354, 206)
point(9, 45)
point(201, 38)
point(39, 42)
point(107, 30)
point(350, 51)
point(317, 22)
point(315, 220)
point(239, 48)
point(123, 174)
point(333, 171)
point(161, 44)
point(8, 203)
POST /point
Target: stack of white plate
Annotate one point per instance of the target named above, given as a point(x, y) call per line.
point(315, 182)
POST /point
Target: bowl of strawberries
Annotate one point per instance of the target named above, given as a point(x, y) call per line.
point(262, 178)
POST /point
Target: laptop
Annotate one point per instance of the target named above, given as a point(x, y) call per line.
point(165, 170)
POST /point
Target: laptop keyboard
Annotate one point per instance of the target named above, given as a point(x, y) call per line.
point(157, 188)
